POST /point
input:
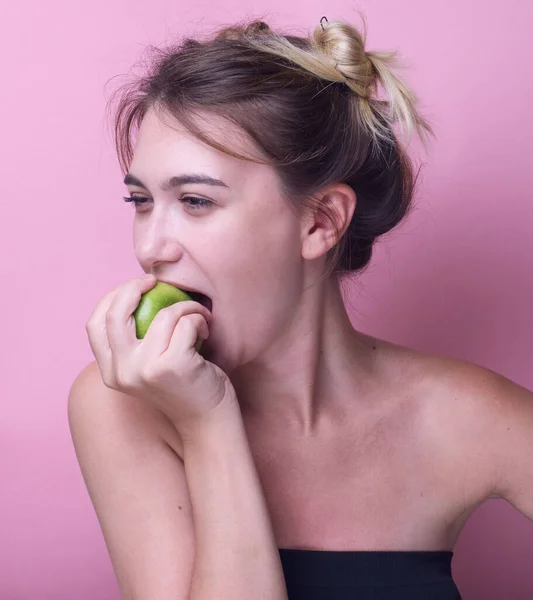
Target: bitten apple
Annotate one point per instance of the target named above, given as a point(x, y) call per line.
point(158, 297)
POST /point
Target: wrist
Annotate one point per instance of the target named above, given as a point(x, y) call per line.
point(219, 419)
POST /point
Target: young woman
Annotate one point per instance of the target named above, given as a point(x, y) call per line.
point(293, 456)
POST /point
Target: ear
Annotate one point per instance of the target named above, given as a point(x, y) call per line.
point(318, 234)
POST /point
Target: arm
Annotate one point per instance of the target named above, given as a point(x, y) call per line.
point(492, 425)
point(138, 487)
point(510, 435)
point(237, 555)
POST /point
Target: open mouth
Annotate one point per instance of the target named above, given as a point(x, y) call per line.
point(202, 299)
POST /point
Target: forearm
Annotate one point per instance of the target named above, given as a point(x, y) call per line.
point(236, 551)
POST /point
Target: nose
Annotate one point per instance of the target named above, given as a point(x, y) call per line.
point(155, 242)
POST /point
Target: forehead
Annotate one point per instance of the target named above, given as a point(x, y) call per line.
point(163, 139)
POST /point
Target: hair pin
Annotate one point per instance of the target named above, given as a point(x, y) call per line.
point(321, 22)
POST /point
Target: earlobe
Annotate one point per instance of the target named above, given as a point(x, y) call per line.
point(321, 233)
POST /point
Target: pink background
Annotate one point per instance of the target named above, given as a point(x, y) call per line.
point(455, 279)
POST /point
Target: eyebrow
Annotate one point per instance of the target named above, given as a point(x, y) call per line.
point(177, 180)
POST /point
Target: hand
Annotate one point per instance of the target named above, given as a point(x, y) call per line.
point(164, 367)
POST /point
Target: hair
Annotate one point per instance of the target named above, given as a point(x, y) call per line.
point(310, 106)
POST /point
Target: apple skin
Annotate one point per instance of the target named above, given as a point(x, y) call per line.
point(152, 301)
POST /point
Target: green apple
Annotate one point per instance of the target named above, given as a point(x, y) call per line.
point(156, 298)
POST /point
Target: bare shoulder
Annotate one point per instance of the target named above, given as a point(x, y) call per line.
point(474, 417)
point(452, 384)
point(90, 398)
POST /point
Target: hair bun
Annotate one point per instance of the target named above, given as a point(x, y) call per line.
point(344, 46)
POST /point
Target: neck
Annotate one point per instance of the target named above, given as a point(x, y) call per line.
point(308, 372)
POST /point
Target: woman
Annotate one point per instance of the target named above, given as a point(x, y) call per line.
point(293, 457)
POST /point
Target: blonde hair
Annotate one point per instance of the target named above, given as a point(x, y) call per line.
point(336, 53)
point(310, 106)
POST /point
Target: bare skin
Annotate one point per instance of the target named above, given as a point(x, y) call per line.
point(355, 442)
point(378, 481)
point(372, 483)
point(396, 466)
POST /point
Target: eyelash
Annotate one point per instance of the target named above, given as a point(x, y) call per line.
point(138, 200)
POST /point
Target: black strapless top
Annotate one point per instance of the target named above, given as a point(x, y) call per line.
point(372, 575)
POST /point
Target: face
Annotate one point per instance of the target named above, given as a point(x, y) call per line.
point(239, 245)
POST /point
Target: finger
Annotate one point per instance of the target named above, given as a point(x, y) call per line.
point(185, 335)
point(97, 334)
point(159, 334)
point(120, 323)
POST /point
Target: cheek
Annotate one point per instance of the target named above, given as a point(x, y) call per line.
point(259, 275)
point(260, 258)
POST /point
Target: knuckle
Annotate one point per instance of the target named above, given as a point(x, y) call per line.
point(111, 317)
point(109, 381)
point(149, 372)
point(190, 318)
point(184, 324)
point(122, 378)
point(196, 320)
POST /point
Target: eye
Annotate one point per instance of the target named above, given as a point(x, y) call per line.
point(193, 202)
point(135, 200)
